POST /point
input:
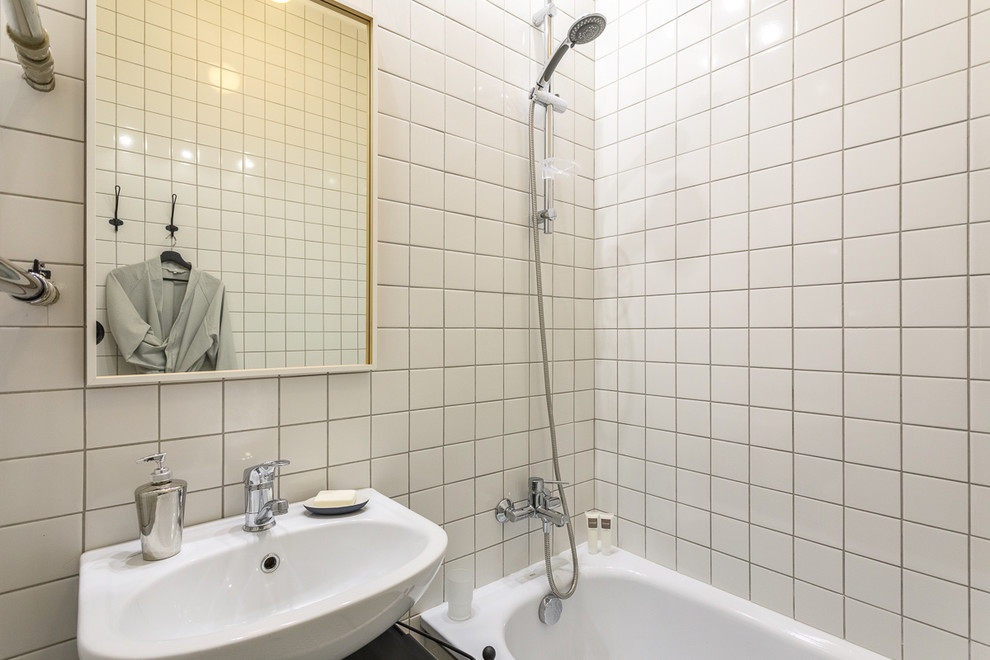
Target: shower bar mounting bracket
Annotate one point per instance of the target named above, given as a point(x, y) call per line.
point(545, 219)
point(539, 17)
point(548, 100)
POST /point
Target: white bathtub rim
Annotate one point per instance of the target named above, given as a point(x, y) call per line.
point(494, 603)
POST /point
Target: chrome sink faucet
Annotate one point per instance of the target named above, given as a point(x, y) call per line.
point(260, 505)
point(540, 504)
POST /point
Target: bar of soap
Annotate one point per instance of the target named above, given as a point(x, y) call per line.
point(328, 499)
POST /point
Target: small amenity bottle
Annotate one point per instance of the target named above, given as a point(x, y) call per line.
point(606, 533)
point(592, 532)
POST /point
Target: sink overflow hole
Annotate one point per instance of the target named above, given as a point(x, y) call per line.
point(269, 563)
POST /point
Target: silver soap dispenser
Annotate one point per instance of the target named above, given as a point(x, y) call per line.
point(160, 507)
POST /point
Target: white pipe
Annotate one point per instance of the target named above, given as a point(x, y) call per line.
point(24, 19)
point(31, 43)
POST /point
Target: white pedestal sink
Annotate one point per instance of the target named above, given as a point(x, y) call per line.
point(340, 581)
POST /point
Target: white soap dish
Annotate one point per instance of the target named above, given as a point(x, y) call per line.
point(334, 510)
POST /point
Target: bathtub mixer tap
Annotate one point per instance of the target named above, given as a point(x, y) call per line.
point(260, 505)
point(540, 504)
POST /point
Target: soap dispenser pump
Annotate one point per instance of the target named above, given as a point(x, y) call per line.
point(160, 508)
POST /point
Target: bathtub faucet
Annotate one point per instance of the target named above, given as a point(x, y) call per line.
point(540, 504)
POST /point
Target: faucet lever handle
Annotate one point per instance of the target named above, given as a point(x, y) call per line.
point(559, 484)
point(262, 472)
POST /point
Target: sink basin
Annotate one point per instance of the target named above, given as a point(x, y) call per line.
point(338, 582)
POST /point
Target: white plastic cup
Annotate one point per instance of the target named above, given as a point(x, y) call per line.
point(459, 587)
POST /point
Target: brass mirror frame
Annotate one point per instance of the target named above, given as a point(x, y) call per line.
point(95, 380)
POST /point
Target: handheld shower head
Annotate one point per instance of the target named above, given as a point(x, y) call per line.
point(584, 29)
point(587, 28)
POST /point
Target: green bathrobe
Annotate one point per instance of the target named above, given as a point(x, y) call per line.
point(164, 326)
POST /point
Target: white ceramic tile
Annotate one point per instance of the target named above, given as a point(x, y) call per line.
point(936, 502)
point(871, 258)
point(934, 252)
point(873, 489)
point(873, 73)
point(935, 202)
point(934, 153)
point(32, 429)
point(693, 26)
point(872, 120)
point(934, 302)
point(772, 67)
point(771, 27)
point(935, 53)
point(873, 582)
point(872, 350)
point(818, 220)
point(772, 590)
point(809, 14)
point(246, 449)
point(41, 551)
point(730, 83)
point(191, 409)
point(874, 536)
point(21, 627)
point(921, 641)
point(818, 49)
point(872, 166)
point(196, 460)
point(936, 552)
point(40, 358)
point(818, 177)
point(937, 602)
point(872, 28)
point(729, 46)
point(39, 500)
point(872, 397)
point(935, 103)
point(873, 628)
point(936, 402)
point(920, 16)
point(818, 306)
point(979, 419)
point(250, 404)
point(350, 395)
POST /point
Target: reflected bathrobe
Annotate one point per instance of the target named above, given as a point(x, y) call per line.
point(163, 326)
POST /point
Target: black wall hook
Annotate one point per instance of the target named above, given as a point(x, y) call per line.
point(115, 221)
point(170, 227)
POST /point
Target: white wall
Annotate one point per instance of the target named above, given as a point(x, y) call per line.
point(792, 301)
point(448, 424)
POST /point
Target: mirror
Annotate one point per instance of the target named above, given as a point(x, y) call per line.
point(234, 136)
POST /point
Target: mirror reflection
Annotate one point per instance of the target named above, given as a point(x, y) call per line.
point(231, 198)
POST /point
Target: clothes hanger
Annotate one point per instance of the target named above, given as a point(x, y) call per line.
point(171, 255)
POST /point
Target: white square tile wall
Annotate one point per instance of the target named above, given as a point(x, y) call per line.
point(771, 287)
point(812, 201)
point(448, 423)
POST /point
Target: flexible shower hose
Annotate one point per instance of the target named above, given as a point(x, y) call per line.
point(546, 376)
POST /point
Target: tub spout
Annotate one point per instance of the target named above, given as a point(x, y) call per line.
point(540, 504)
point(551, 517)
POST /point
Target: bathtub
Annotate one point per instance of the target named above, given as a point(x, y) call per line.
point(628, 608)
